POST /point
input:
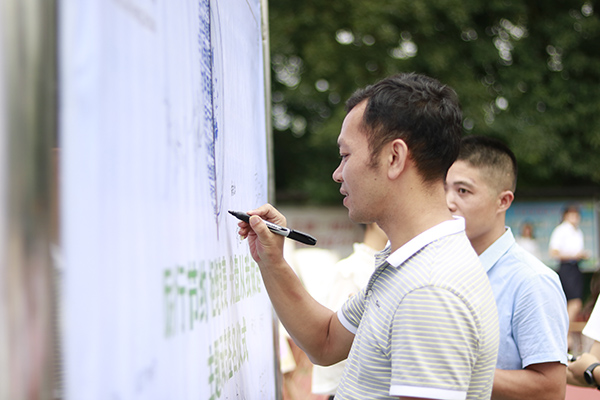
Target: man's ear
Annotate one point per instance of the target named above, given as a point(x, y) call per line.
point(505, 199)
point(397, 157)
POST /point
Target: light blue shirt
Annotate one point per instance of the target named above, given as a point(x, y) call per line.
point(532, 308)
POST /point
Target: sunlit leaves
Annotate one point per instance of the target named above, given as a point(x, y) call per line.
point(527, 72)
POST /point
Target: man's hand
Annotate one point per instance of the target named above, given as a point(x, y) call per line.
point(576, 369)
point(315, 328)
point(264, 245)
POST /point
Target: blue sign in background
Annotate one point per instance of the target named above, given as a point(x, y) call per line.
point(544, 216)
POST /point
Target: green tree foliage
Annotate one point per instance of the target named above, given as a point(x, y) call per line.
point(526, 71)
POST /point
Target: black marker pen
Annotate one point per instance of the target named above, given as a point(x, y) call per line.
point(280, 230)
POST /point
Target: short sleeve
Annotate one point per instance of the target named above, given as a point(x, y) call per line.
point(540, 321)
point(557, 238)
point(352, 311)
point(434, 346)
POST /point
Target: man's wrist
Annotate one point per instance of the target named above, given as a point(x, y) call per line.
point(588, 375)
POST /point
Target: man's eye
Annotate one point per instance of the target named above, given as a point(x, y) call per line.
point(462, 191)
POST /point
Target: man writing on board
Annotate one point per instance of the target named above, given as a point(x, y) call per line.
point(425, 326)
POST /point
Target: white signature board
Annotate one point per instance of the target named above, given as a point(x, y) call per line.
point(162, 130)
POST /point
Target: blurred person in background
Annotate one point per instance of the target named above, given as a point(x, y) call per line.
point(532, 312)
point(351, 275)
point(527, 240)
point(566, 245)
point(584, 371)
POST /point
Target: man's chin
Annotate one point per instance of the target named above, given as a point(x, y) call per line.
point(356, 218)
point(355, 215)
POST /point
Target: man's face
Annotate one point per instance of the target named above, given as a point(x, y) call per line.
point(573, 218)
point(361, 184)
point(469, 195)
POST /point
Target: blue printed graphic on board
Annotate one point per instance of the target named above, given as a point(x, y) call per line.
point(212, 72)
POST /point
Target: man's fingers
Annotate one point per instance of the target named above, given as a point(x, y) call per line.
point(258, 226)
point(269, 213)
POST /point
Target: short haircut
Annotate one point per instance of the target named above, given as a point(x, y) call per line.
point(422, 112)
point(493, 156)
point(574, 208)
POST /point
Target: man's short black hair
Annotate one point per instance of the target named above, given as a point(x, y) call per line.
point(487, 152)
point(419, 110)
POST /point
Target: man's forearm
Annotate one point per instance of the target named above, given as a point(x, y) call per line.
point(313, 327)
point(539, 381)
point(307, 321)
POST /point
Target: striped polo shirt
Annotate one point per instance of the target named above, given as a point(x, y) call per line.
point(426, 323)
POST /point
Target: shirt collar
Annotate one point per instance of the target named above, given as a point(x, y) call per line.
point(493, 253)
point(446, 228)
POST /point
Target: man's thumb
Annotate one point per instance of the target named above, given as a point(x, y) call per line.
point(258, 225)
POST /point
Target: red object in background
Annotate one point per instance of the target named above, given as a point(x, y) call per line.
point(581, 393)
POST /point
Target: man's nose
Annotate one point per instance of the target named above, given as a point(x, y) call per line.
point(337, 174)
point(450, 202)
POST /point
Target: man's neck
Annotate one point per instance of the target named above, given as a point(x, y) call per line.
point(483, 242)
point(422, 211)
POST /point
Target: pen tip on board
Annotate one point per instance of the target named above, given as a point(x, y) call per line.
point(234, 213)
point(240, 215)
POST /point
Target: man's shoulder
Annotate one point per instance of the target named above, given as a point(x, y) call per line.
point(519, 258)
point(518, 267)
point(564, 228)
point(456, 265)
point(457, 241)
point(456, 250)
